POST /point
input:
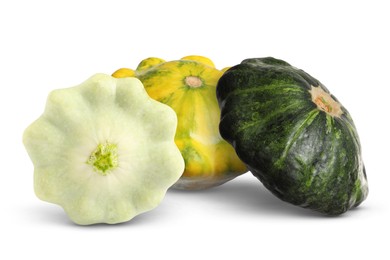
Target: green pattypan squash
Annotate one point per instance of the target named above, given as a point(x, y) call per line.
point(293, 134)
point(104, 150)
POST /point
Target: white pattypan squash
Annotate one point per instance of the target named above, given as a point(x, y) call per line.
point(104, 150)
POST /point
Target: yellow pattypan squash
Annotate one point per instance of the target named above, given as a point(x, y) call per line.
point(188, 86)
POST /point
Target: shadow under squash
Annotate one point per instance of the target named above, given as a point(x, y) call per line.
point(243, 194)
point(248, 196)
point(51, 214)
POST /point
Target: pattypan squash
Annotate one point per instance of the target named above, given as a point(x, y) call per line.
point(293, 134)
point(104, 150)
point(188, 86)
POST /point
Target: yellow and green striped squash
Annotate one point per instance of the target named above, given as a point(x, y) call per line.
point(188, 86)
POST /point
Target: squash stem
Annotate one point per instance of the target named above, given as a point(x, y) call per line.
point(193, 81)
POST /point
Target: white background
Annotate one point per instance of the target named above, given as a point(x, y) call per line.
point(46, 45)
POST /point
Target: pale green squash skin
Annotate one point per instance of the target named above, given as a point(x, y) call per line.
point(75, 121)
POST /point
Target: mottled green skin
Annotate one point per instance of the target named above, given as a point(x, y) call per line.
point(300, 153)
